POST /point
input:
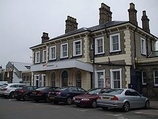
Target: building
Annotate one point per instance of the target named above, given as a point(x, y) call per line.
point(18, 72)
point(110, 54)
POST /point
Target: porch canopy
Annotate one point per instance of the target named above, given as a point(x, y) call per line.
point(62, 65)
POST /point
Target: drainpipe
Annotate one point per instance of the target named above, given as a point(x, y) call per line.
point(134, 34)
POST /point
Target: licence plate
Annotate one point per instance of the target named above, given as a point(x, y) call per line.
point(77, 101)
point(51, 97)
point(106, 98)
point(33, 92)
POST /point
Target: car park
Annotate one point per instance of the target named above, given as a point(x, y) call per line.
point(65, 94)
point(8, 91)
point(41, 93)
point(89, 99)
point(124, 99)
point(24, 92)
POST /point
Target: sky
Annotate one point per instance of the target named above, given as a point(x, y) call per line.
point(23, 22)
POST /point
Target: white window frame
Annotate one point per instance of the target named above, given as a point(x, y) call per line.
point(143, 46)
point(61, 50)
point(44, 56)
point(96, 45)
point(144, 83)
point(50, 53)
point(43, 80)
point(112, 77)
point(111, 43)
point(75, 49)
point(96, 77)
point(37, 57)
point(155, 84)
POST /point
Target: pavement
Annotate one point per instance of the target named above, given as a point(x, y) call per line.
point(154, 104)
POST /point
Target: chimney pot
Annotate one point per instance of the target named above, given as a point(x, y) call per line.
point(132, 14)
point(45, 37)
point(105, 14)
point(145, 22)
point(71, 24)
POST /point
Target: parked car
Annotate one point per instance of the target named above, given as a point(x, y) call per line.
point(1, 89)
point(41, 93)
point(89, 98)
point(24, 92)
point(124, 99)
point(65, 94)
point(3, 83)
point(8, 91)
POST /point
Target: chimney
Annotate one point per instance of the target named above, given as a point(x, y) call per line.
point(133, 14)
point(145, 22)
point(71, 24)
point(45, 37)
point(105, 14)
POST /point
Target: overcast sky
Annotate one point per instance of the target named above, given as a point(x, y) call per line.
point(22, 22)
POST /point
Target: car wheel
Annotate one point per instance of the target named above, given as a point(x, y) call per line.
point(69, 101)
point(104, 108)
point(36, 100)
point(94, 104)
point(147, 104)
point(56, 102)
point(47, 100)
point(18, 99)
point(11, 95)
point(26, 97)
point(126, 107)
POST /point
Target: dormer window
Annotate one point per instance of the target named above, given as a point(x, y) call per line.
point(37, 57)
point(64, 50)
point(77, 48)
point(115, 42)
point(99, 45)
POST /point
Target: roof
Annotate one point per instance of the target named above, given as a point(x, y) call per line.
point(21, 66)
point(91, 29)
point(94, 28)
point(153, 54)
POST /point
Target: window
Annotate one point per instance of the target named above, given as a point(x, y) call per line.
point(115, 42)
point(116, 81)
point(99, 45)
point(37, 57)
point(64, 50)
point(100, 79)
point(52, 53)
point(143, 46)
point(156, 78)
point(44, 56)
point(77, 48)
point(144, 78)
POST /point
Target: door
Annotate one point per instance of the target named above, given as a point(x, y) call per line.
point(36, 81)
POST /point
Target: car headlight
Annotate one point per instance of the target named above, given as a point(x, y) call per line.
point(85, 99)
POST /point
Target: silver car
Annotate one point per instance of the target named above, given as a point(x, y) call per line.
point(124, 99)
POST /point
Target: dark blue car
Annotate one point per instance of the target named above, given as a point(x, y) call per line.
point(65, 94)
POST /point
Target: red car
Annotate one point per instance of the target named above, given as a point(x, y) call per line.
point(89, 99)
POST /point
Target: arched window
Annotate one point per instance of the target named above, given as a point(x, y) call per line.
point(64, 78)
point(78, 79)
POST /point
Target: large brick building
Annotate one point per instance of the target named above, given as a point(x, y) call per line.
point(116, 54)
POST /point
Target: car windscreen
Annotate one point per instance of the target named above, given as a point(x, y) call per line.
point(94, 91)
point(43, 88)
point(114, 91)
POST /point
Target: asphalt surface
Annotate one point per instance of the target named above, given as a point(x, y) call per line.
point(12, 109)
